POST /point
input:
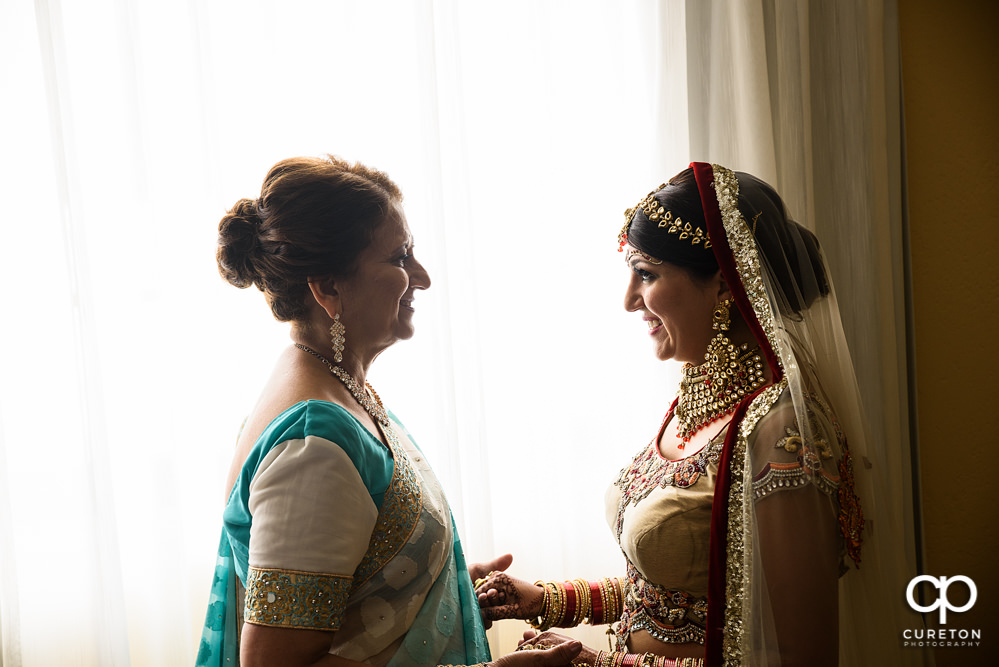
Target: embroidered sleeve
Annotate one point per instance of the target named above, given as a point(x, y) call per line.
point(312, 522)
point(788, 454)
point(287, 598)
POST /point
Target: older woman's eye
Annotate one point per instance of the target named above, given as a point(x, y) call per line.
point(401, 260)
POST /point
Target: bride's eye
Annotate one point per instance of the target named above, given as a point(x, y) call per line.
point(643, 274)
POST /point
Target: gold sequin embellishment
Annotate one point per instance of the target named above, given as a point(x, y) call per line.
point(288, 598)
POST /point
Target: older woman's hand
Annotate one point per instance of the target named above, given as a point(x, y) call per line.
point(546, 640)
point(482, 570)
point(502, 596)
point(556, 651)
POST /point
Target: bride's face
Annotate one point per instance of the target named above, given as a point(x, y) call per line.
point(676, 307)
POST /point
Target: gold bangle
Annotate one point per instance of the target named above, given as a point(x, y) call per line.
point(614, 605)
point(584, 604)
point(690, 662)
point(552, 606)
point(539, 621)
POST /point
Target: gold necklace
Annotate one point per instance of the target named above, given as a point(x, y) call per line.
point(713, 389)
point(373, 406)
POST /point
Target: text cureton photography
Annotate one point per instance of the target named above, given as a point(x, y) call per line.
point(941, 637)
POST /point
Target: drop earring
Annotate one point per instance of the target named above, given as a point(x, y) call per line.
point(720, 320)
point(337, 332)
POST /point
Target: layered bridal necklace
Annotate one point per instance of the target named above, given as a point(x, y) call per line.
point(712, 390)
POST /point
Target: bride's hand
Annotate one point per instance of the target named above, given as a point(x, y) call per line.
point(502, 596)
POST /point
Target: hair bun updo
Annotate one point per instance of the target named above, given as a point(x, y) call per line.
point(314, 217)
point(238, 243)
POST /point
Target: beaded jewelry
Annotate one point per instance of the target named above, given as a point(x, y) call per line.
point(644, 255)
point(369, 400)
point(338, 339)
point(713, 389)
point(656, 212)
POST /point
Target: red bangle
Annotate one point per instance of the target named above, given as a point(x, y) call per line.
point(596, 603)
point(570, 604)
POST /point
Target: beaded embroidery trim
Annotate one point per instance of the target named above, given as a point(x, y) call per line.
point(403, 500)
point(808, 468)
point(744, 253)
point(288, 598)
point(738, 602)
point(649, 470)
point(401, 508)
point(851, 515)
point(777, 476)
point(671, 616)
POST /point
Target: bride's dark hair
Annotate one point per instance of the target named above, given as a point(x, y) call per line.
point(801, 275)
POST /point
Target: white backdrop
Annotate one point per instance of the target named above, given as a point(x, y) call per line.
point(518, 131)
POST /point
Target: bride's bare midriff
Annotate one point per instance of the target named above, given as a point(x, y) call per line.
point(641, 641)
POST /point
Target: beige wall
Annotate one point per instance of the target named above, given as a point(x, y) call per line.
point(950, 53)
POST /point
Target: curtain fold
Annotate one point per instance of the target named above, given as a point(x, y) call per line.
point(519, 134)
point(807, 97)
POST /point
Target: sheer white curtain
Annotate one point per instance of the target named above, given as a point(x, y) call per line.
point(518, 131)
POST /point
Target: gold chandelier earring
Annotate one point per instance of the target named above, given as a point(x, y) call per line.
point(337, 332)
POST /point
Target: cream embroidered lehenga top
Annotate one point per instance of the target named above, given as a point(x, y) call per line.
point(660, 512)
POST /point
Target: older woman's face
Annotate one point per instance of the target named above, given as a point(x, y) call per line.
point(676, 307)
point(377, 300)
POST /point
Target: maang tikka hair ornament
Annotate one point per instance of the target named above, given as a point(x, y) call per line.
point(337, 331)
point(713, 389)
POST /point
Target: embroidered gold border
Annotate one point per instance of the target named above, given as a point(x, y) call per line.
point(738, 593)
point(738, 571)
point(747, 259)
point(400, 512)
point(291, 598)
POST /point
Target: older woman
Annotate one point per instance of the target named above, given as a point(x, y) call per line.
point(739, 521)
point(338, 546)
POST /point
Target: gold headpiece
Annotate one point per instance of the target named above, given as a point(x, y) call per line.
point(647, 205)
point(656, 212)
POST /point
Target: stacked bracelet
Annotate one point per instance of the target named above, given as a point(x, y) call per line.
point(621, 659)
point(566, 604)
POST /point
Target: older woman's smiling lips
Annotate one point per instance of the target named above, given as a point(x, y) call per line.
point(406, 303)
point(654, 324)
